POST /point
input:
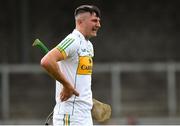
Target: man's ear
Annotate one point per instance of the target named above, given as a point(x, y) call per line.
point(79, 21)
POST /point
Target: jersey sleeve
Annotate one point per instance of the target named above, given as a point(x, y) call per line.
point(67, 47)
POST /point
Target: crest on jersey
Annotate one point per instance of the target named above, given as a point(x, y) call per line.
point(85, 65)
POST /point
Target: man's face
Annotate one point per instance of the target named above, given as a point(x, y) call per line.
point(91, 25)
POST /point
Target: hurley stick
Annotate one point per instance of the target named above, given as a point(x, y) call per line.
point(37, 43)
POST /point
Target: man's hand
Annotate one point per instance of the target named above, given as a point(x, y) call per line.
point(67, 92)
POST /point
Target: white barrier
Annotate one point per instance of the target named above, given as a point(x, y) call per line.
point(114, 68)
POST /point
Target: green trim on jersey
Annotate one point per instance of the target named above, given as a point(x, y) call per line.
point(66, 120)
point(65, 43)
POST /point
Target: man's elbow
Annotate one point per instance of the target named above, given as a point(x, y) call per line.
point(44, 62)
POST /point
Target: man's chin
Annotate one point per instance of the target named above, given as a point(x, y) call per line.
point(94, 35)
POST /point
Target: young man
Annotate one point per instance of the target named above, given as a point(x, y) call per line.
point(70, 63)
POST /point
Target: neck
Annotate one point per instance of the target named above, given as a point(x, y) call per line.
point(82, 32)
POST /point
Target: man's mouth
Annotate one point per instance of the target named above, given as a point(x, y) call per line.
point(94, 29)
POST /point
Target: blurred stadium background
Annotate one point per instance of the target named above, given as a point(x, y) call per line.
point(137, 69)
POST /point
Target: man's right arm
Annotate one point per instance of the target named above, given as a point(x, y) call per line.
point(49, 63)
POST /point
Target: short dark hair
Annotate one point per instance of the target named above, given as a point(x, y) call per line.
point(87, 8)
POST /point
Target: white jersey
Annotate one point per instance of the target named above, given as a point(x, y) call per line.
point(77, 68)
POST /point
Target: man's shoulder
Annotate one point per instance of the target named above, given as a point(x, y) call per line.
point(73, 37)
point(71, 41)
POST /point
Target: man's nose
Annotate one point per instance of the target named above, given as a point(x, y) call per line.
point(98, 24)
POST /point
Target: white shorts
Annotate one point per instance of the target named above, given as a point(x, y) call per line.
point(71, 120)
